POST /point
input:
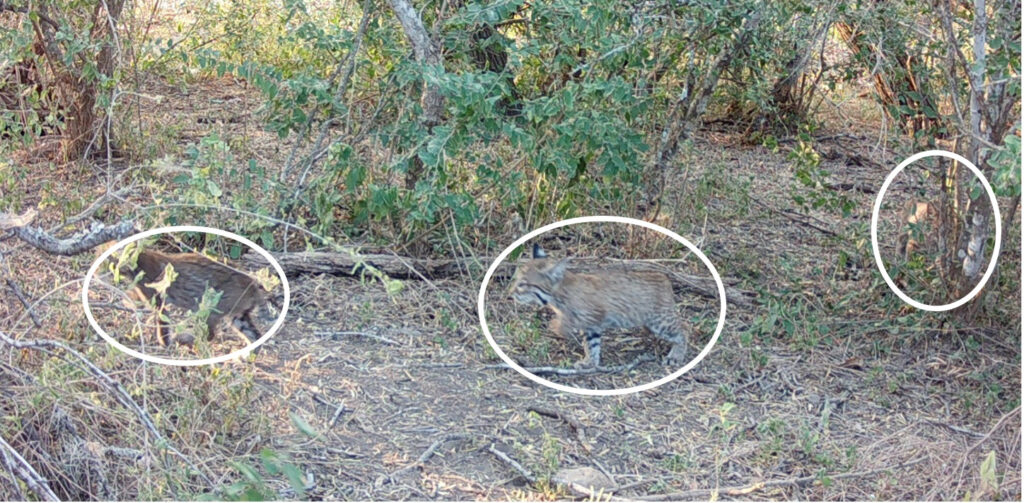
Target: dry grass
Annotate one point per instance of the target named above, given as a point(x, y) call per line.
point(828, 374)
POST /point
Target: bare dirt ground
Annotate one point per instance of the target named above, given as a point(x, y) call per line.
point(825, 387)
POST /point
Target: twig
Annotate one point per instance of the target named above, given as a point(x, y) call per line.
point(21, 297)
point(118, 307)
point(823, 138)
point(582, 371)
point(313, 158)
point(958, 429)
point(92, 209)
point(1013, 413)
point(795, 219)
point(514, 464)
point(79, 242)
point(113, 387)
point(348, 66)
point(338, 409)
point(573, 423)
point(999, 424)
point(338, 335)
point(427, 454)
point(337, 414)
point(16, 464)
point(795, 481)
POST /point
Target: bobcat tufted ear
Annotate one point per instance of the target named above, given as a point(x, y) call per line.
point(557, 271)
point(538, 252)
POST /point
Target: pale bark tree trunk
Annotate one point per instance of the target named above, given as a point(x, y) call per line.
point(693, 102)
point(83, 123)
point(979, 210)
point(427, 52)
point(989, 119)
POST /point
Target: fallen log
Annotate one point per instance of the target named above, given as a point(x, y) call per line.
point(395, 266)
point(399, 267)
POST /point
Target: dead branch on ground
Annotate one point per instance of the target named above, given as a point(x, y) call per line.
point(79, 242)
point(352, 264)
point(398, 267)
point(795, 481)
point(427, 454)
point(539, 371)
point(17, 465)
point(24, 302)
point(112, 386)
point(513, 463)
point(800, 219)
point(574, 424)
point(338, 335)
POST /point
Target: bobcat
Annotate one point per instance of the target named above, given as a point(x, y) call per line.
point(921, 218)
point(240, 293)
point(592, 303)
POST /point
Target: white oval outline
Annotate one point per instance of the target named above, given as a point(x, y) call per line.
point(175, 362)
point(600, 392)
point(874, 231)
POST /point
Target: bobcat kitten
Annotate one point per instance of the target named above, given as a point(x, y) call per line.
point(240, 293)
point(592, 303)
point(920, 218)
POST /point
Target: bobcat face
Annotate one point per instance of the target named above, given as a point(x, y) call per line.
point(240, 293)
point(593, 303)
point(536, 280)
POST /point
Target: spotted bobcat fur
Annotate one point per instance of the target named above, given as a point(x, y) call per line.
point(593, 303)
point(241, 295)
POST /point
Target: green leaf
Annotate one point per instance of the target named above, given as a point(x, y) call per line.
point(168, 277)
point(212, 187)
point(303, 426)
point(295, 478)
point(988, 472)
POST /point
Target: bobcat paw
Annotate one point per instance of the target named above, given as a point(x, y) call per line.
point(242, 357)
point(677, 356)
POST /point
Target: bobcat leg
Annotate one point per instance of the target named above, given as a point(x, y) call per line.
point(592, 345)
point(139, 297)
point(246, 329)
point(672, 332)
point(211, 328)
point(161, 327)
point(244, 326)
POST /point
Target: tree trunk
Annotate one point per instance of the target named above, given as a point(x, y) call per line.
point(489, 56)
point(693, 102)
point(428, 53)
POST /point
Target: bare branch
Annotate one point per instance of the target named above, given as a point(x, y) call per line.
point(81, 241)
point(12, 221)
point(112, 386)
point(795, 481)
point(18, 465)
point(514, 464)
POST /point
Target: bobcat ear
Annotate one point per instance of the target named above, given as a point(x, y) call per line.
point(538, 252)
point(558, 270)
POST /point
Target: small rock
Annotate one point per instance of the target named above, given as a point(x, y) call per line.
point(585, 477)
